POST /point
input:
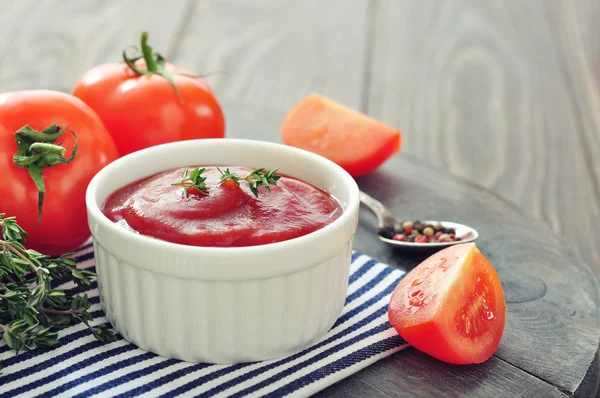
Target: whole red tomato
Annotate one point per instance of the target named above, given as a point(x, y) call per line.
point(145, 102)
point(63, 223)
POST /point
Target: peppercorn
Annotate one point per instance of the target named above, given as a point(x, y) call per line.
point(420, 232)
point(400, 237)
point(443, 237)
point(387, 232)
point(421, 239)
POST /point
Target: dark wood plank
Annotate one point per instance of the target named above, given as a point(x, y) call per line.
point(49, 44)
point(275, 53)
point(505, 93)
point(413, 374)
point(553, 300)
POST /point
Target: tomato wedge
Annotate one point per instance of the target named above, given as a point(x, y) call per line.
point(451, 306)
point(353, 140)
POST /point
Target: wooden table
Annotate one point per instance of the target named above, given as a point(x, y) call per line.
point(503, 93)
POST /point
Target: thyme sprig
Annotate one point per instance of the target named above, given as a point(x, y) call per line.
point(31, 310)
point(256, 178)
point(194, 180)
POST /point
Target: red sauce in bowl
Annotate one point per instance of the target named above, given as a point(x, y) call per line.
point(230, 216)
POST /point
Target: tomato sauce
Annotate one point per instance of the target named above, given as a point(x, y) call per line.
point(229, 216)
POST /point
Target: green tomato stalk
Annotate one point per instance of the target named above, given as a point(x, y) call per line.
point(38, 150)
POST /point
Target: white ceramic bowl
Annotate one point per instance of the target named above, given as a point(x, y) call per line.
point(222, 305)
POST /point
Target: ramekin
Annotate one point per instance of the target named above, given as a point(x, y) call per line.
point(223, 305)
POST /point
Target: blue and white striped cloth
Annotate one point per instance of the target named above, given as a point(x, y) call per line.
point(81, 366)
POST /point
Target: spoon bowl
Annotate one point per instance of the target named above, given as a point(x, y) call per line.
point(387, 222)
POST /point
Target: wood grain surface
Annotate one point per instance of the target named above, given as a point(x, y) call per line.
point(275, 53)
point(413, 374)
point(502, 93)
point(65, 38)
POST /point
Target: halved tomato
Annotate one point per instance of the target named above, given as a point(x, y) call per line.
point(451, 306)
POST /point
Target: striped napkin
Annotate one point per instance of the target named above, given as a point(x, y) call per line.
point(80, 366)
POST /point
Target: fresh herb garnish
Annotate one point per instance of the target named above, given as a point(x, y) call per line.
point(31, 311)
point(193, 180)
point(256, 178)
point(38, 150)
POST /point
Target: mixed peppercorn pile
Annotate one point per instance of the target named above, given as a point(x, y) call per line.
point(420, 232)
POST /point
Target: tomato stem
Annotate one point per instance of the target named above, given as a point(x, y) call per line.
point(155, 64)
point(148, 55)
point(38, 150)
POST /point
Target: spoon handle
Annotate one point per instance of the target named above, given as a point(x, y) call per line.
point(384, 216)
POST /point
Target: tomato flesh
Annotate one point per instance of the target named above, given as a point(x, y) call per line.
point(451, 306)
point(353, 140)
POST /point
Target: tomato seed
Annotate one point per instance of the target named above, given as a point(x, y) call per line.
point(416, 302)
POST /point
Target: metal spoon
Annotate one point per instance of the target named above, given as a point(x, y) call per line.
point(387, 221)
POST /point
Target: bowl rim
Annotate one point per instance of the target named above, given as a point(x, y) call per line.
point(94, 208)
